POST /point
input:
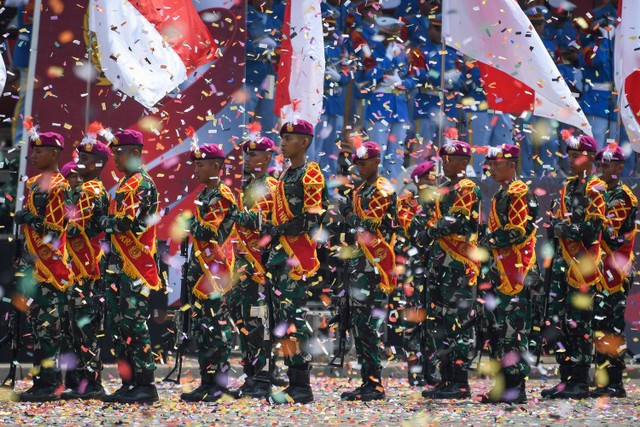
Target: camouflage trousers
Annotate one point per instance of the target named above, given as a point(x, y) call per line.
point(451, 302)
point(127, 305)
point(509, 328)
point(210, 327)
point(609, 327)
point(249, 310)
point(368, 312)
point(84, 319)
point(46, 305)
point(570, 314)
point(289, 303)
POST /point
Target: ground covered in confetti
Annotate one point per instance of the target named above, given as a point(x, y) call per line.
point(404, 407)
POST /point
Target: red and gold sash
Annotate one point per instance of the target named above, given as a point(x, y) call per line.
point(457, 246)
point(617, 264)
point(513, 262)
point(301, 249)
point(216, 261)
point(582, 262)
point(376, 249)
point(51, 257)
point(408, 207)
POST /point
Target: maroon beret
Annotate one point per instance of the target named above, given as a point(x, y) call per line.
point(47, 139)
point(366, 151)
point(207, 152)
point(128, 137)
point(583, 143)
point(504, 151)
point(95, 147)
point(611, 153)
point(261, 143)
point(301, 127)
point(68, 169)
point(421, 170)
point(455, 148)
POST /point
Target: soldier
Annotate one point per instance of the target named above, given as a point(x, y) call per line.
point(452, 287)
point(85, 298)
point(44, 269)
point(209, 273)
point(70, 172)
point(132, 270)
point(249, 273)
point(414, 211)
point(511, 241)
point(372, 267)
point(575, 270)
point(618, 238)
point(293, 261)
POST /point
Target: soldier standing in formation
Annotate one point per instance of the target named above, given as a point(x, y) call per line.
point(372, 267)
point(84, 233)
point(511, 241)
point(618, 237)
point(132, 270)
point(44, 272)
point(209, 273)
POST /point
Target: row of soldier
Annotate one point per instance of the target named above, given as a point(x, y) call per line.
point(388, 74)
point(227, 275)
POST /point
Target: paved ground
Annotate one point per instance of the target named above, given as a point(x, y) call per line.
point(404, 407)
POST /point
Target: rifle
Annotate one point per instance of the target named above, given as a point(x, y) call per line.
point(13, 326)
point(183, 322)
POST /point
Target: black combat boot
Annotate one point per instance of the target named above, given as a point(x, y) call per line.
point(299, 389)
point(371, 388)
point(514, 391)
point(351, 395)
point(458, 387)
point(143, 391)
point(89, 388)
point(578, 386)
point(260, 386)
point(429, 372)
point(125, 387)
point(220, 388)
point(615, 387)
point(44, 388)
point(553, 392)
point(200, 392)
point(446, 375)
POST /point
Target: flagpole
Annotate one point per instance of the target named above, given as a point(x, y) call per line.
point(443, 48)
point(28, 102)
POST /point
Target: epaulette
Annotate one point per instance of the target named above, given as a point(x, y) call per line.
point(58, 180)
point(271, 182)
point(93, 186)
point(517, 188)
point(132, 183)
point(466, 183)
point(313, 175)
point(384, 186)
point(596, 184)
point(32, 180)
point(227, 193)
point(629, 193)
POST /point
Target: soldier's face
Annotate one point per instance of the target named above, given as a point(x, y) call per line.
point(75, 180)
point(44, 157)
point(367, 168)
point(580, 162)
point(454, 166)
point(427, 180)
point(609, 172)
point(207, 170)
point(126, 158)
point(256, 161)
point(501, 170)
point(292, 144)
point(87, 164)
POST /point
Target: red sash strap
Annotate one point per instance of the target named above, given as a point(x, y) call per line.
point(582, 263)
point(408, 207)
point(137, 254)
point(457, 246)
point(85, 256)
point(514, 262)
point(300, 249)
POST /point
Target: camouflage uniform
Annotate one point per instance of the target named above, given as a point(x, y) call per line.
point(128, 283)
point(44, 270)
point(610, 298)
point(247, 298)
point(575, 272)
point(212, 229)
point(373, 219)
point(86, 297)
point(511, 237)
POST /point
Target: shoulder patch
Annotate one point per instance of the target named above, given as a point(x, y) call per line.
point(384, 186)
point(632, 197)
point(227, 193)
point(313, 175)
point(596, 184)
point(517, 188)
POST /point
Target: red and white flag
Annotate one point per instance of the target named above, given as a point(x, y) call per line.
point(3, 74)
point(627, 69)
point(517, 71)
point(300, 78)
point(147, 48)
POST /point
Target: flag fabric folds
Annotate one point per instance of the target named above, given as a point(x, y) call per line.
point(300, 78)
point(3, 74)
point(518, 73)
point(146, 49)
point(627, 69)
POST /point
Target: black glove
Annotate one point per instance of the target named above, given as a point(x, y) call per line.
point(20, 216)
point(561, 228)
point(272, 230)
point(105, 223)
